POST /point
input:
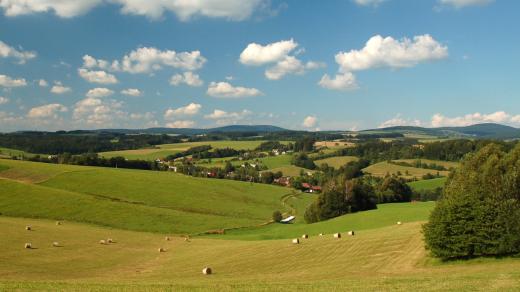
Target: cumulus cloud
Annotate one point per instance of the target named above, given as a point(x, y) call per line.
point(46, 111)
point(58, 88)
point(465, 3)
point(188, 78)
point(389, 52)
point(6, 81)
point(181, 124)
point(398, 120)
point(222, 117)
point(131, 92)
point(226, 90)
point(439, 120)
point(310, 122)
point(368, 2)
point(100, 77)
point(22, 56)
point(99, 92)
point(235, 10)
point(278, 53)
point(189, 110)
point(3, 100)
point(342, 81)
point(43, 83)
point(98, 112)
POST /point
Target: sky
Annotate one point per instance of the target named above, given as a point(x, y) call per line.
point(297, 64)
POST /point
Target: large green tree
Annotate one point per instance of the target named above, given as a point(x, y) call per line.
point(479, 213)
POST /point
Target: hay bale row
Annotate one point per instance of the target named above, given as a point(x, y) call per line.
point(28, 228)
point(58, 223)
point(160, 249)
point(296, 241)
point(350, 233)
point(102, 241)
point(207, 271)
point(167, 238)
point(305, 236)
point(337, 235)
point(28, 245)
point(399, 222)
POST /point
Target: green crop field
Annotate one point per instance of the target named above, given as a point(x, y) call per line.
point(381, 169)
point(428, 184)
point(336, 161)
point(134, 199)
point(161, 151)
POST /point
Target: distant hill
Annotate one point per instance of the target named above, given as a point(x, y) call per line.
point(483, 131)
point(193, 131)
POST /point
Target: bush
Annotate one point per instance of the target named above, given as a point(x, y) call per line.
point(479, 212)
point(277, 216)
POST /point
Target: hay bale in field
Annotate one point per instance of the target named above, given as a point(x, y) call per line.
point(28, 245)
point(399, 223)
point(167, 238)
point(110, 240)
point(58, 223)
point(351, 233)
point(161, 249)
point(102, 241)
point(321, 234)
point(28, 227)
point(207, 271)
point(55, 244)
point(337, 235)
point(305, 236)
point(296, 241)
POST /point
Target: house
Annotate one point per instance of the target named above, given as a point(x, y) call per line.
point(283, 181)
point(308, 188)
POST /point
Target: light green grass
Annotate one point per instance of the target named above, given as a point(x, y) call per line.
point(381, 169)
point(446, 164)
point(159, 201)
point(336, 161)
point(291, 170)
point(161, 151)
point(8, 152)
point(428, 184)
point(383, 259)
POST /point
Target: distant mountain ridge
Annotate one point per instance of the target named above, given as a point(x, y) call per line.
point(195, 131)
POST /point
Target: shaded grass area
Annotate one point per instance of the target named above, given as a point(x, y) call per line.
point(428, 184)
point(336, 161)
point(381, 169)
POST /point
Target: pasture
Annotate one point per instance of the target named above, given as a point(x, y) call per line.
point(381, 169)
point(291, 170)
point(336, 161)
point(161, 151)
point(428, 184)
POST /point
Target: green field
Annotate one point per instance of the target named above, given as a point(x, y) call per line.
point(381, 169)
point(134, 199)
point(161, 151)
point(336, 161)
point(8, 153)
point(270, 161)
point(428, 184)
point(446, 164)
point(291, 170)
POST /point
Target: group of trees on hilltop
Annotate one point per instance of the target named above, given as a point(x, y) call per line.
point(479, 213)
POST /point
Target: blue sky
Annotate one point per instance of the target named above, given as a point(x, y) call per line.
point(301, 64)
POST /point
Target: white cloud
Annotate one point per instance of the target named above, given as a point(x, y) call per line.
point(225, 118)
point(46, 111)
point(439, 120)
point(310, 121)
point(149, 59)
point(99, 92)
point(22, 56)
point(398, 120)
point(189, 78)
point(58, 88)
point(185, 10)
point(3, 100)
point(6, 81)
point(464, 3)
point(290, 65)
point(226, 90)
point(369, 2)
point(147, 116)
point(101, 77)
point(92, 63)
point(181, 124)
point(389, 52)
point(255, 54)
point(98, 112)
point(342, 81)
point(43, 83)
point(189, 110)
point(131, 92)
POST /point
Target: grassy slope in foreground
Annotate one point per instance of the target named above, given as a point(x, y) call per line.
point(389, 258)
point(159, 201)
point(385, 215)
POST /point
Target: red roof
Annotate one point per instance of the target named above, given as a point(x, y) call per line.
point(306, 185)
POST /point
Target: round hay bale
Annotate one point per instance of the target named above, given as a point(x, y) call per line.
point(187, 239)
point(296, 241)
point(102, 241)
point(161, 249)
point(351, 233)
point(167, 238)
point(28, 245)
point(110, 240)
point(207, 271)
point(321, 234)
point(55, 244)
point(305, 236)
point(58, 223)
point(399, 223)
point(28, 227)
point(337, 235)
